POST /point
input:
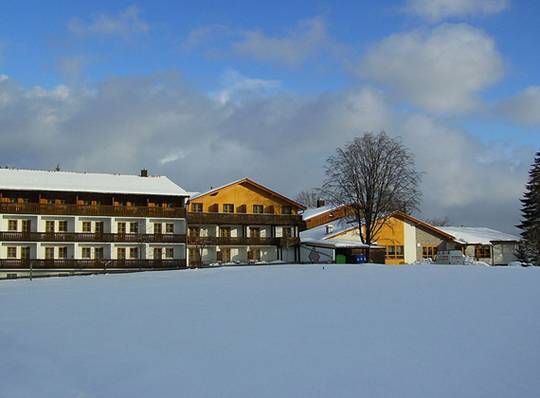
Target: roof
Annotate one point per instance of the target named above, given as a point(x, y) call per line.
point(478, 235)
point(250, 182)
point(317, 211)
point(341, 244)
point(67, 181)
point(319, 232)
point(436, 230)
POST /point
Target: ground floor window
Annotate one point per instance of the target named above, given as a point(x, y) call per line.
point(85, 251)
point(254, 255)
point(482, 251)
point(134, 252)
point(429, 251)
point(12, 252)
point(394, 251)
point(169, 252)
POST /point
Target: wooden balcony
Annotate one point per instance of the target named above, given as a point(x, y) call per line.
point(90, 237)
point(97, 210)
point(241, 241)
point(90, 264)
point(244, 219)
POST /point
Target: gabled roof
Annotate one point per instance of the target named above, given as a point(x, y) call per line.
point(67, 181)
point(479, 235)
point(339, 226)
point(423, 224)
point(253, 183)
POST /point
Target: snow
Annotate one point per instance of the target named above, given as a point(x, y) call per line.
point(478, 235)
point(274, 331)
point(40, 180)
point(320, 232)
point(316, 211)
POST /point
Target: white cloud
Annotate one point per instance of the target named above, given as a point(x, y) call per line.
point(437, 10)
point(291, 49)
point(441, 70)
point(524, 107)
point(308, 39)
point(236, 85)
point(122, 125)
point(124, 24)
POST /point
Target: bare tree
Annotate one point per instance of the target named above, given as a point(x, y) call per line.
point(375, 175)
point(308, 198)
point(439, 221)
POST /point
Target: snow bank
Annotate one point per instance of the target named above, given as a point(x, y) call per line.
point(279, 331)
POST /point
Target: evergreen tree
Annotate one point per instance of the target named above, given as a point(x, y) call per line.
point(529, 250)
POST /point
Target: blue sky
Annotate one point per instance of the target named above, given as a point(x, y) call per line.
point(235, 80)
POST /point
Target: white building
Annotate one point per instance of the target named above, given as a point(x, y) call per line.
point(62, 222)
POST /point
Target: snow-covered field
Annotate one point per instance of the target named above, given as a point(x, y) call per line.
point(275, 331)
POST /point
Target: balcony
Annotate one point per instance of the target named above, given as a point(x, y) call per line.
point(90, 264)
point(97, 210)
point(244, 219)
point(90, 237)
point(241, 241)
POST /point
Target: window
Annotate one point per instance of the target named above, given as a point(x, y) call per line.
point(49, 227)
point(169, 228)
point(99, 227)
point(194, 231)
point(225, 232)
point(394, 252)
point(49, 253)
point(134, 227)
point(258, 209)
point(133, 252)
point(228, 208)
point(121, 228)
point(98, 253)
point(169, 252)
point(254, 232)
point(87, 226)
point(12, 225)
point(12, 252)
point(121, 253)
point(196, 207)
point(62, 252)
point(158, 253)
point(62, 226)
point(483, 251)
point(157, 228)
point(287, 232)
point(429, 252)
point(286, 210)
point(26, 225)
point(25, 253)
point(86, 252)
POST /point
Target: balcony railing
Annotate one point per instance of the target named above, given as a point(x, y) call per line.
point(97, 210)
point(244, 219)
point(90, 237)
point(242, 241)
point(90, 264)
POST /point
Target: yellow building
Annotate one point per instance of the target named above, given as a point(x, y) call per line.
point(242, 222)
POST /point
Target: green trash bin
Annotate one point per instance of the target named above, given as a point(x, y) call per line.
point(341, 259)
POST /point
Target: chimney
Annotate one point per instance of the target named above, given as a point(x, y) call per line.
point(329, 229)
point(144, 173)
point(321, 203)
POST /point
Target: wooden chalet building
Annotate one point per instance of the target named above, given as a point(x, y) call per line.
point(56, 222)
point(243, 222)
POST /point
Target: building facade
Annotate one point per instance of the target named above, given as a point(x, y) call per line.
point(242, 222)
point(54, 222)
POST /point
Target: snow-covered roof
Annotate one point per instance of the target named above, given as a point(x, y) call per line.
point(40, 180)
point(317, 211)
point(322, 232)
point(478, 235)
point(338, 243)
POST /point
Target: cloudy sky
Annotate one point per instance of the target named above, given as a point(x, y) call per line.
point(214, 90)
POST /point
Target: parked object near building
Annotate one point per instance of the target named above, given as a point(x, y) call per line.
point(243, 222)
point(56, 222)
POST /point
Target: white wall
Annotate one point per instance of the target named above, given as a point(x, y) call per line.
point(409, 236)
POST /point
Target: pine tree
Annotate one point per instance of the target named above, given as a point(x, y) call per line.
point(529, 250)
